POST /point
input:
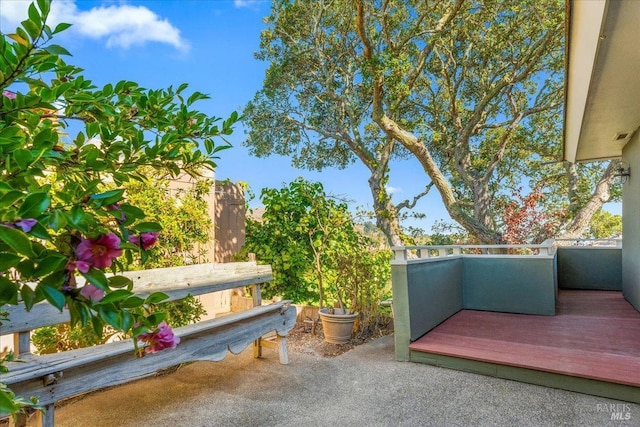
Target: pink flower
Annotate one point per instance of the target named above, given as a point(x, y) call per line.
point(92, 292)
point(26, 224)
point(99, 252)
point(81, 266)
point(160, 339)
point(145, 240)
point(8, 94)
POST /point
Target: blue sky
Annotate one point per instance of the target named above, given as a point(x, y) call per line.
point(210, 45)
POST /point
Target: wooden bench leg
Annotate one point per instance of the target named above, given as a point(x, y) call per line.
point(280, 344)
point(48, 416)
point(257, 348)
point(283, 353)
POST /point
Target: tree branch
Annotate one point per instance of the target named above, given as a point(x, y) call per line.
point(410, 205)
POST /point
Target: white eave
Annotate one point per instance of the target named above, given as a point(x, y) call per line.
point(602, 108)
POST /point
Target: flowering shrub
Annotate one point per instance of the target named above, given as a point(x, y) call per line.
point(64, 217)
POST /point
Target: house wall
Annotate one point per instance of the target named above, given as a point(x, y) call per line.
point(631, 223)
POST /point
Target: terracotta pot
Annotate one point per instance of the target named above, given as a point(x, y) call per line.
point(337, 327)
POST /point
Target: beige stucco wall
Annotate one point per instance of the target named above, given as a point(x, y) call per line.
point(631, 223)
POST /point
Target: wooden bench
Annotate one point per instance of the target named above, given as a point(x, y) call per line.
point(54, 377)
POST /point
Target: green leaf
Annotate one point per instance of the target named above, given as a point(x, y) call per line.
point(26, 267)
point(10, 197)
point(22, 157)
point(34, 205)
point(28, 296)
point(147, 227)
point(45, 6)
point(132, 212)
point(109, 314)
point(98, 325)
point(50, 264)
point(54, 296)
point(40, 232)
point(156, 317)
point(156, 298)
point(6, 402)
point(97, 278)
point(57, 220)
point(33, 14)
point(61, 27)
point(32, 29)
point(8, 260)
point(55, 49)
point(17, 240)
point(115, 296)
point(8, 291)
point(108, 198)
point(127, 320)
point(132, 302)
point(119, 282)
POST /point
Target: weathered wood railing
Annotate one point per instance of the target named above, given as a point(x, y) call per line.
point(58, 376)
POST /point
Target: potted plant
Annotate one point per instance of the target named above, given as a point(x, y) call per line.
point(338, 320)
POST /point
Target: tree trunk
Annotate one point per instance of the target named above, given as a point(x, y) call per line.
point(386, 213)
point(600, 196)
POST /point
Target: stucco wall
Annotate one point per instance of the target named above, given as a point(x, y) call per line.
point(631, 224)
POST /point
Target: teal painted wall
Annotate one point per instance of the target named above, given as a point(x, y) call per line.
point(427, 293)
point(631, 223)
point(434, 294)
point(590, 268)
point(510, 285)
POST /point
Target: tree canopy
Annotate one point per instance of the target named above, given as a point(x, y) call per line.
point(472, 90)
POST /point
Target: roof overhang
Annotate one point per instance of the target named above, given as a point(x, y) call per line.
point(602, 92)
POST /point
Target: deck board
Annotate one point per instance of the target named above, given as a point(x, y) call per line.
point(594, 335)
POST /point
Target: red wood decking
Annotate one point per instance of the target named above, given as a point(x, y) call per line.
point(595, 335)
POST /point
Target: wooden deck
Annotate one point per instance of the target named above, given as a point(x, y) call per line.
point(595, 336)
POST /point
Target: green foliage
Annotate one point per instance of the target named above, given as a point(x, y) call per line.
point(283, 238)
point(604, 225)
point(63, 337)
point(316, 253)
point(183, 312)
point(183, 215)
point(62, 197)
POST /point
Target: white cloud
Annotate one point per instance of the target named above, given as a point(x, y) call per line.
point(120, 25)
point(246, 3)
point(393, 190)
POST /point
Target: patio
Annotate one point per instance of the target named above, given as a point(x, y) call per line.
point(364, 386)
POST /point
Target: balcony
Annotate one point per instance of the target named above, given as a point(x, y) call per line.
point(550, 314)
